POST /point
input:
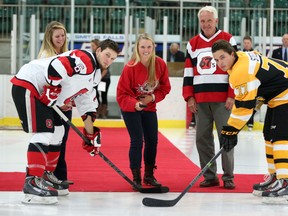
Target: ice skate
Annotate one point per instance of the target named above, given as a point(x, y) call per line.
point(277, 194)
point(60, 186)
point(37, 192)
point(263, 186)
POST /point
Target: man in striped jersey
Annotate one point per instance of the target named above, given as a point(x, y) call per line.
point(65, 80)
point(208, 95)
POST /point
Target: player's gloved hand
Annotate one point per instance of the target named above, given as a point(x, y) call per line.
point(228, 138)
point(95, 139)
point(50, 95)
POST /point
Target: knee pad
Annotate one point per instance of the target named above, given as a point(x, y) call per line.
point(43, 138)
point(57, 135)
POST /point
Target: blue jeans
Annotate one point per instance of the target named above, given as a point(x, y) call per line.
point(142, 124)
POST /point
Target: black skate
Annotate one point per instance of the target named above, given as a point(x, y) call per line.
point(60, 186)
point(38, 192)
point(263, 186)
point(277, 193)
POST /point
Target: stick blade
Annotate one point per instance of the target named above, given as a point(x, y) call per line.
point(161, 189)
point(151, 202)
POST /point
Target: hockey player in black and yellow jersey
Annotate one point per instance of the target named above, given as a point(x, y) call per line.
point(254, 76)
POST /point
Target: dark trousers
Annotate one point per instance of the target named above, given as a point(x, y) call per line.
point(142, 125)
point(61, 168)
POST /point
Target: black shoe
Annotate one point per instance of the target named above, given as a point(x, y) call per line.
point(136, 179)
point(210, 183)
point(151, 181)
point(229, 184)
point(138, 184)
point(149, 178)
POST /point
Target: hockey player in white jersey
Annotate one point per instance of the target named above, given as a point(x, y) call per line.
point(66, 80)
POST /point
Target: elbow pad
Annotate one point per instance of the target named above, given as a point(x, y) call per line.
point(92, 114)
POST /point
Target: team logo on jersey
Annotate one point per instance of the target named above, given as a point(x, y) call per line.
point(206, 63)
point(79, 67)
point(241, 90)
point(49, 123)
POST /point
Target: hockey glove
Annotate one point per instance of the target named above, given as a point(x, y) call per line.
point(50, 95)
point(95, 139)
point(228, 138)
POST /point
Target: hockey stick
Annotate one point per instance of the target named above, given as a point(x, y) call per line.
point(161, 189)
point(152, 202)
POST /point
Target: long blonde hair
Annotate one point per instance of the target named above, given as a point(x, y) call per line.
point(135, 58)
point(47, 45)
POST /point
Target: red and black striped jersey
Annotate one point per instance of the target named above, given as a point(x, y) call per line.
point(203, 79)
point(76, 71)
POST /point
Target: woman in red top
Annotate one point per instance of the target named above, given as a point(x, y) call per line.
point(143, 83)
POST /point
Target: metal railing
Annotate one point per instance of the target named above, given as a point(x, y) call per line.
point(110, 19)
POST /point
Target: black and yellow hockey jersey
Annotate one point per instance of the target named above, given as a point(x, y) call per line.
point(254, 77)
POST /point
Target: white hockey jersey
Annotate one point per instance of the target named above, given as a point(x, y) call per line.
point(77, 72)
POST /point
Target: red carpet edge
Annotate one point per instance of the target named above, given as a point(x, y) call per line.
point(93, 174)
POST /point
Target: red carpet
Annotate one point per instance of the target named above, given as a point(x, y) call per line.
point(175, 170)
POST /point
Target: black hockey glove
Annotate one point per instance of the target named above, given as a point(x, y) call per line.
point(228, 138)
